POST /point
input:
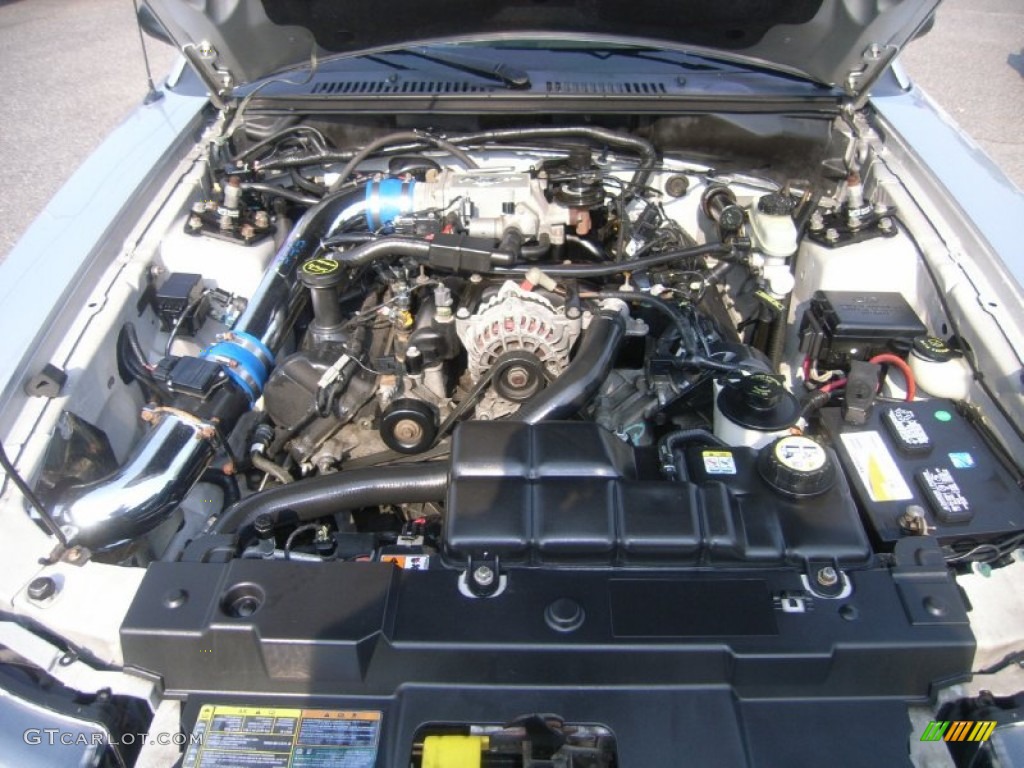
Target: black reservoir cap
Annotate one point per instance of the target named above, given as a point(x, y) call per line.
point(933, 350)
point(797, 466)
point(759, 401)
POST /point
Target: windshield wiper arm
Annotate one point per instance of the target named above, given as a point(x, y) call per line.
point(510, 77)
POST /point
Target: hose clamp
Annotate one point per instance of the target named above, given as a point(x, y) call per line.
point(246, 360)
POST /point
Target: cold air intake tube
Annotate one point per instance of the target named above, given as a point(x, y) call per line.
point(173, 454)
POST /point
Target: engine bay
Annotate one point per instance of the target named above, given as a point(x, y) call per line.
point(679, 398)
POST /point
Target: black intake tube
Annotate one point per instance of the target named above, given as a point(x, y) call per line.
point(386, 247)
point(323, 495)
point(584, 376)
point(610, 269)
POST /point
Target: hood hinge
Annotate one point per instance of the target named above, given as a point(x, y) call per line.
point(218, 81)
point(876, 59)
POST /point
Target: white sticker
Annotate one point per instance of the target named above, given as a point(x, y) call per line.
point(800, 454)
point(875, 466)
point(719, 462)
point(408, 562)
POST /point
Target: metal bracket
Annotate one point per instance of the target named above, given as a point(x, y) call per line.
point(859, 81)
point(218, 81)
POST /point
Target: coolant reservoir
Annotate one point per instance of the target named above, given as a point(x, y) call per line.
point(939, 370)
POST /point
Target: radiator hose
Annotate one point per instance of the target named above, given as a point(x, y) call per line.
point(315, 497)
point(583, 377)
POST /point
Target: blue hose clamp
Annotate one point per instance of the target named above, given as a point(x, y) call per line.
point(246, 359)
point(387, 199)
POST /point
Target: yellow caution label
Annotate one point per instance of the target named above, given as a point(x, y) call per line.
point(719, 462)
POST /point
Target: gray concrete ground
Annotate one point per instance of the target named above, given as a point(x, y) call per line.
point(71, 71)
point(972, 64)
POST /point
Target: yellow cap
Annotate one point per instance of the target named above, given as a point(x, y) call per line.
point(454, 751)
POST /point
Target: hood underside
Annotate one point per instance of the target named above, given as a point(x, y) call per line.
point(842, 43)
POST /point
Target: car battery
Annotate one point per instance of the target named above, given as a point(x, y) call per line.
point(840, 326)
point(921, 467)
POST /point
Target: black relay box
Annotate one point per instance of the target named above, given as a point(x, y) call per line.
point(840, 326)
point(173, 298)
point(926, 454)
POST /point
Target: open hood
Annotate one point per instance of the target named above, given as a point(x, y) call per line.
point(842, 43)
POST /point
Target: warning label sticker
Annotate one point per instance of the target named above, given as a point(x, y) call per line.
point(876, 467)
point(408, 562)
point(272, 737)
point(719, 462)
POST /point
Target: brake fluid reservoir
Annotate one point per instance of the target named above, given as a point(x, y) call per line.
point(938, 369)
point(771, 223)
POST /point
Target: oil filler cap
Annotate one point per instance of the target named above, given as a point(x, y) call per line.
point(321, 273)
point(797, 466)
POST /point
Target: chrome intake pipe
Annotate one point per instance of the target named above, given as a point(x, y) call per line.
point(144, 492)
point(171, 457)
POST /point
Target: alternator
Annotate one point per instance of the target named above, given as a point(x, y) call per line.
point(515, 320)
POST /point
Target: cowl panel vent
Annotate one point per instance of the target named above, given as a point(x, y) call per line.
point(584, 87)
point(402, 87)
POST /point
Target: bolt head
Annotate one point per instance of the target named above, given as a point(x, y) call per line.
point(518, 377)
point(913, 521)
point(832, 234)
point(483, 575)
point(408, 432)
point(827, 576)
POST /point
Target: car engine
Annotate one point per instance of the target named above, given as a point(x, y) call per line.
point(414, 397)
